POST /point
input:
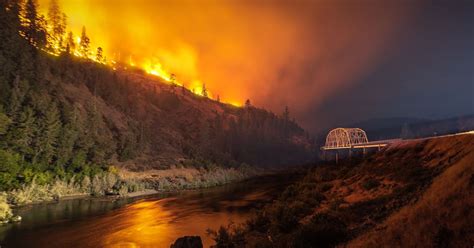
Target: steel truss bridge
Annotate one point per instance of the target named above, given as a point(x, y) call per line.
point(351, 138)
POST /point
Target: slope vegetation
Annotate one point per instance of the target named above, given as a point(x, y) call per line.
point(71, 119)
point(424, 186)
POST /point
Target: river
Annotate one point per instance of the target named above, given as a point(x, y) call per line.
point(151, 221)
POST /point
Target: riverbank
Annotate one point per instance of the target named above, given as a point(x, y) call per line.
point(146, 221)
point(124, 183)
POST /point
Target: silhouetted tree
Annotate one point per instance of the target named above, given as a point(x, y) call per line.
point(99, 55)
point(247, 103)
point(70, 44)
point(57, 22)
point(173, 78)
point(33, 26)
point(84, 45)
point(204, 90)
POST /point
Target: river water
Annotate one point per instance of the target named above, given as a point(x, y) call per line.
point(151, 221)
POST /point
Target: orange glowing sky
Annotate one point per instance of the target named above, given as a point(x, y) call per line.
point(274, 52)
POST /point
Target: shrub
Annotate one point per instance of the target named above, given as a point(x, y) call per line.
point(227, 237)
point(62, 188)
point(370, 184)
point(28, 193)
point(5, 211)
point(86, 184)
point(9, 162)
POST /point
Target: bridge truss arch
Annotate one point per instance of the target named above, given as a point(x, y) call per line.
point(340, 138)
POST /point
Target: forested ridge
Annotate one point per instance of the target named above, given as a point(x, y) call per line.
point(63, 116)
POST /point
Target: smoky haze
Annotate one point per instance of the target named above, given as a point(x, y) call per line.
point(275, 53)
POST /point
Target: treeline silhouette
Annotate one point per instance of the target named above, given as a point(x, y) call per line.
point(63, 115)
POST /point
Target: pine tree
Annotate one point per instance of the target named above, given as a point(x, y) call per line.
point(247, 103)
point(99, 55)
point(204, 90)
point(17, 96)
point(33, 28)
point(57, 23)
point(10, 40)
point(98, 137)
point(68, 136)
point(84, 45)
point(4, 123)
point(173, 78)
point(47, 137)
point(70, 44)
point(21, 133)
point(11, 46)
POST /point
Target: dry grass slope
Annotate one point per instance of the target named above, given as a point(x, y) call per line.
point(442, 217)
point(417, 193)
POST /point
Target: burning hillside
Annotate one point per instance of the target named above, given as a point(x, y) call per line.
point(49, 32)
point(242, 49)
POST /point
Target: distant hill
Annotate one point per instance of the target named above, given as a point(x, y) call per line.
point(391, 128)
point(439, 127)
point(385, 128)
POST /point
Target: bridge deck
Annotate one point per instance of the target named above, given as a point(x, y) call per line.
point(378, 143)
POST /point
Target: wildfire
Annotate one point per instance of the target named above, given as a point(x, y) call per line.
point(59, 40)
point(156, 68)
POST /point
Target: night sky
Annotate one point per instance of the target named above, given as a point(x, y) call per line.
point(429, 73)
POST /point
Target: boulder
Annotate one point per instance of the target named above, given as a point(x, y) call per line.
point(15, 218)
point(188, 242)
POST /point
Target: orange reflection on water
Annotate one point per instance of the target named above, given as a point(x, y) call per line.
point(157, 223)
point(150, 222)
point(143, 224)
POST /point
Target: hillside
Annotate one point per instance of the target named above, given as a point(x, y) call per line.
point(66, 120)
point(170, 124)
point(424, 186)
point(442, 216)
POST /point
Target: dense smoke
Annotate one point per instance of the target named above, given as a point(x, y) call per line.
point(275, 53)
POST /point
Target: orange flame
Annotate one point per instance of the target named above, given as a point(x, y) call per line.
point(182, 58)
